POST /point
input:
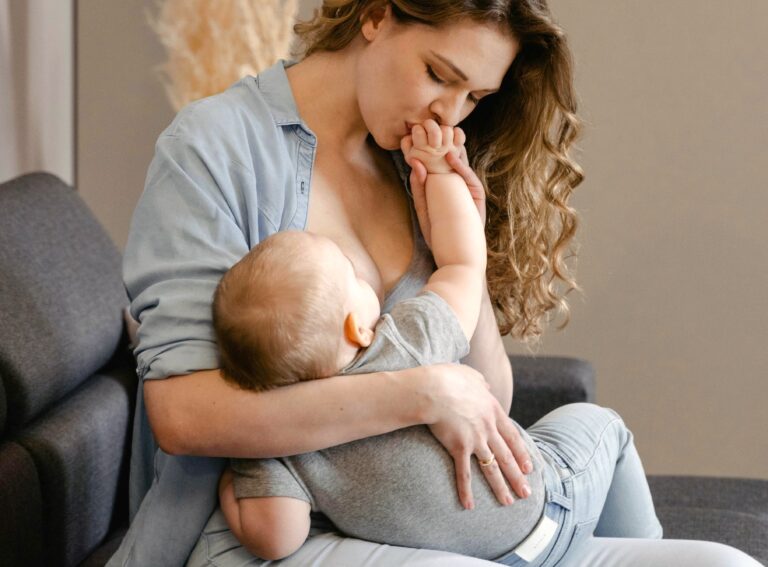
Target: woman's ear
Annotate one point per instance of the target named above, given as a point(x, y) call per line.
point(356, 334)
point(374, 19)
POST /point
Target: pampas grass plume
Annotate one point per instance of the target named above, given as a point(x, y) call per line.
point(213, 43)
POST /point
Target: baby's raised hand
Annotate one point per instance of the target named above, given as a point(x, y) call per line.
point(429, 143)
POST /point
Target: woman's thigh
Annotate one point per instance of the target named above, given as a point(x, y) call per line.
point(634, 552)
point(610, 491)
point(217, 547)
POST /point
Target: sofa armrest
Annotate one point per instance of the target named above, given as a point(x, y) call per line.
point(543, 383)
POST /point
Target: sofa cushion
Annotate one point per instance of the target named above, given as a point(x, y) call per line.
point(733, 511)
point(61, 294)
point(3, 408)
point(21, 517)
point(80, 449)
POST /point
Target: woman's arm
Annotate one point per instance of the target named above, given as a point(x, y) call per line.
point(201, 414)
point(487, 354)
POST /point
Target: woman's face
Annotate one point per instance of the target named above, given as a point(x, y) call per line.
point(407, 74)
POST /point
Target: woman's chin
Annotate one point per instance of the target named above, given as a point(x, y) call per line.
point(388, 142)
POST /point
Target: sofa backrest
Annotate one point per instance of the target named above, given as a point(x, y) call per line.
point(67, 377)
point(61, 294)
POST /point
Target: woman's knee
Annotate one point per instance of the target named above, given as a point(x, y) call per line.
point(721, 555)
point(595, 414)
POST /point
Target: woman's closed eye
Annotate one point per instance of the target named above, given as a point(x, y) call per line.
point(432, 75)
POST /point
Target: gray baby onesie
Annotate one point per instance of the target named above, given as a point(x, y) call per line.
point(399, 488)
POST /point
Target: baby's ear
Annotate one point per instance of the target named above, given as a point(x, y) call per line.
point(356, 334)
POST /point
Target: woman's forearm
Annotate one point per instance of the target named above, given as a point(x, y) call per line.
point(201, 414)
point(487, 354)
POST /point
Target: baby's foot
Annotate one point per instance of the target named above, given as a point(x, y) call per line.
point(429, 143)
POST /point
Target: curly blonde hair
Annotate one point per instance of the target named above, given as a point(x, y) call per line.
point(518, 143)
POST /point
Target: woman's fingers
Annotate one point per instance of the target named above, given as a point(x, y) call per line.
point(516, 444)
point(463, 169)
point(490, 466)
point(417, 179)
point(464, 479)
point(470, 421)
point(515, 453)
point(509, 467)
point(475, 186)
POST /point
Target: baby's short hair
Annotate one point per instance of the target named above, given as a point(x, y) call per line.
point(278, 315)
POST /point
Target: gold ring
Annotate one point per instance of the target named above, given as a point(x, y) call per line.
point(487, 462)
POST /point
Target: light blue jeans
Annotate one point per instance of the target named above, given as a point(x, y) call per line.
point(596, 492)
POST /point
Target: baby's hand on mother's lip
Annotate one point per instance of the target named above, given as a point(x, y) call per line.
point(458, 161)
point(429, 143)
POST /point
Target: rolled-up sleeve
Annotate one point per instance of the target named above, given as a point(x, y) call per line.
point(187, 230)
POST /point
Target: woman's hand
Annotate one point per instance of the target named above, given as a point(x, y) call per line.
point(469, 421)
point(460, 163)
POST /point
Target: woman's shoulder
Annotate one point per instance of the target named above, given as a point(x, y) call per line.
point(241, 111)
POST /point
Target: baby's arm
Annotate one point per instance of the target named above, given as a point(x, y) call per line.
point(457, 234)
point(271, 527)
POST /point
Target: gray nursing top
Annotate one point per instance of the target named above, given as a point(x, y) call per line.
point(399, 488)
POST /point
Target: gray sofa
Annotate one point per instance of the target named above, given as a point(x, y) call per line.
point(68, 382)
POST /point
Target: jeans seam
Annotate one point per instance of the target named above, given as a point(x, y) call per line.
point(594, 452)
point(208, 557)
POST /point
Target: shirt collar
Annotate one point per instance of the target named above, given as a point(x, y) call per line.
point(276, 90)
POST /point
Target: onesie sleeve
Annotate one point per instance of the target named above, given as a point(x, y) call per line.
point(198, 215)
point(259, 478)
point(417, 331)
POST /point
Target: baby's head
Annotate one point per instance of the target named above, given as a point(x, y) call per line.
point(290, 310)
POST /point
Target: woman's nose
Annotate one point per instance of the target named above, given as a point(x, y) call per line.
point(447, 110)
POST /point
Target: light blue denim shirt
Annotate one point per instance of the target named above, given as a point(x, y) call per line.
point(229, 171)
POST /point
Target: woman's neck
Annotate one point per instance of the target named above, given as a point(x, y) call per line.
point(324, 89)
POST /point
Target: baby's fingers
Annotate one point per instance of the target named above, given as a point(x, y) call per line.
point(459, 137)
point(434, 134)
point(447, 136)
point(419, 135)
point(406, 145)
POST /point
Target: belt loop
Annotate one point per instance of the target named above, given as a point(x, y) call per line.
point(561, 499)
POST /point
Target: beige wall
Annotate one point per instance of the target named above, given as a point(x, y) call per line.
point(121, 107)
point(673, 257)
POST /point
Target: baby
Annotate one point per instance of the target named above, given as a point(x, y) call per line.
point(294, 309)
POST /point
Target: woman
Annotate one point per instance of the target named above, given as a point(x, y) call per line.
point(313, 147)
